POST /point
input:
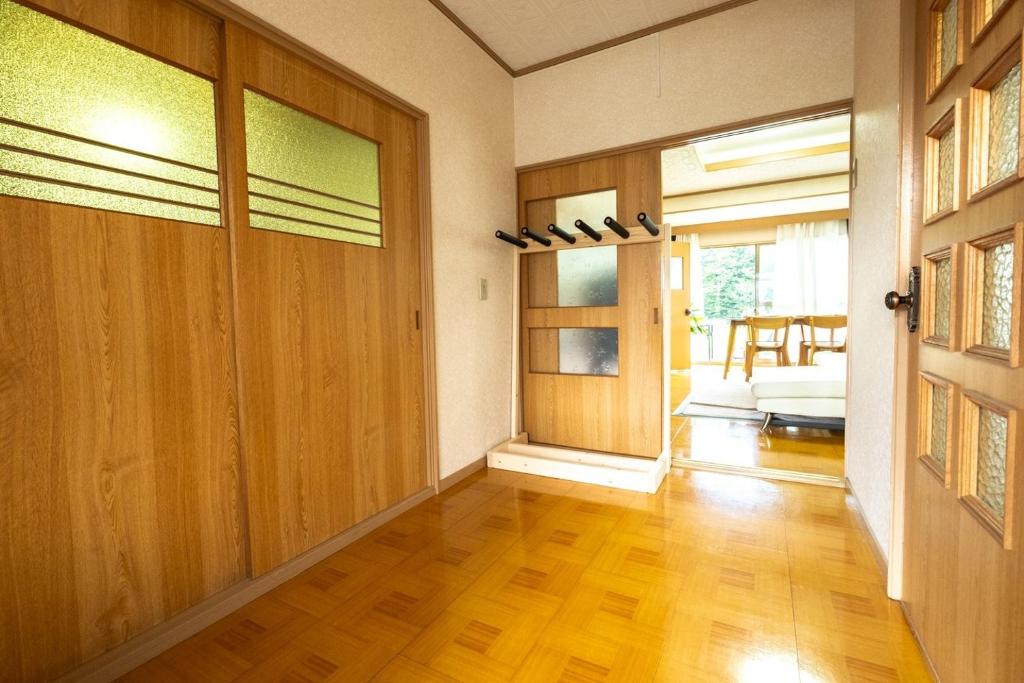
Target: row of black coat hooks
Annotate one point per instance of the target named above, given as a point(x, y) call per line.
point(582, 226)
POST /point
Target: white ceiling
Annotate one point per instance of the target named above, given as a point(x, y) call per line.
point(684, 172)
point(525, 32)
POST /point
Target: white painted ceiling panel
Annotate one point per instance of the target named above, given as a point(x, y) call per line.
point(525, 32)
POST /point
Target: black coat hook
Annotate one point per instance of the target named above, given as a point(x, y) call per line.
point(555, 230)
point(511, 239)
point(587, 230)
point(648, 223)
point(614, 226)
point(539, 239)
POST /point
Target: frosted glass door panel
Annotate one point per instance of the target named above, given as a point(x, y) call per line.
point(588, 277)
point(590, 208)
point(588, 351)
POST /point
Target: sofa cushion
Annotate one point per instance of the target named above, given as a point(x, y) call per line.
point(812, 381)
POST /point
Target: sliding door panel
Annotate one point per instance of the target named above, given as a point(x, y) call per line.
point(119, 459)
point(328, 279)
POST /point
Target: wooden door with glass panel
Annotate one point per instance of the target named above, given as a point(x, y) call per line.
point(964, 510)
point(592, 335)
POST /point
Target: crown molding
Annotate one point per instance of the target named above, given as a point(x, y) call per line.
point(591, 49)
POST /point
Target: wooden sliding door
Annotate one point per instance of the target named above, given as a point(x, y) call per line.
point(327, 262)
point(964, 510)
point(592, 318)
point(119, 462)
point(211, 328)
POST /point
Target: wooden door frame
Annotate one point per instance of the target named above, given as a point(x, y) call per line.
point(903, 440)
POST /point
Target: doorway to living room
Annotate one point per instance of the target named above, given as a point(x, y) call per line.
point(759, 282)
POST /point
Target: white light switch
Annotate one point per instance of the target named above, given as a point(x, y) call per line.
point(483, 289)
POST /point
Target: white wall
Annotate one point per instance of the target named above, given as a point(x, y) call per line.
point(761, 58)
point(874, 237)
point(409, 48)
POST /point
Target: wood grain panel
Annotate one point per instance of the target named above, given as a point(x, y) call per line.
point(167, 29)
point(329, 351)
point(615, 414)
point(964, 591)
point(120, 476)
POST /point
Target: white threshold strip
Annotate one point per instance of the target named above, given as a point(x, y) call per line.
point(760, 472)
point(588, 467)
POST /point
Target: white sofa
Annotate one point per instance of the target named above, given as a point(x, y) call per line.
point(807, 395)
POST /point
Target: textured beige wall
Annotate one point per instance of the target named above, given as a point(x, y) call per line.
point(874, 237)
point(409, 48)
point(762, 58)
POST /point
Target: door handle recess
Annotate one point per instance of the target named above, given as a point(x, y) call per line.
point(911, 300)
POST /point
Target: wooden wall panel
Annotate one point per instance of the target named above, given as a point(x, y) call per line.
point(330, 356)
point(118, 431)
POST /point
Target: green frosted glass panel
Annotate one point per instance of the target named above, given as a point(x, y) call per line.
point(97, 199)
point(47, 169)
point(948, 38)
point(940, 422)
point(947, 149)
point(991, 473)
point(89, 122)
point(264, 188)
point(997, 297)
point(943, 297)
point(309, 177)
point(89, 153)
point(1004, 126)
point(295, 227)
point(59, 77)
point(308, 215)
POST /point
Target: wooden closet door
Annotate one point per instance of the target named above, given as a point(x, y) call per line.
point(964, 509)
point(119, 464)
point(329, 339)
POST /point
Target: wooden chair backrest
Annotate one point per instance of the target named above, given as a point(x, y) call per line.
point(826, 322)
point(773, 324)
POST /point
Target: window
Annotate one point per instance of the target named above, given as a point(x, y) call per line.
point(738, 281)
point(88, 122)
point(309, 177)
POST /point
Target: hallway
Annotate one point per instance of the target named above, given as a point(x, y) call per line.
point(516, 577)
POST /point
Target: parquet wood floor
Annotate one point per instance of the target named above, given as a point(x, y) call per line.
point(510, 577)
point(741, 442)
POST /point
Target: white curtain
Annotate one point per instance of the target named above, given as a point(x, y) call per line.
point(811, 268)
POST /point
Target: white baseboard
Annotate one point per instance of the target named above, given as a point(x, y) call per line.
point(604, 469)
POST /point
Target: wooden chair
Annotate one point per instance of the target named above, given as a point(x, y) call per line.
point(756, 343)
point(831, 323)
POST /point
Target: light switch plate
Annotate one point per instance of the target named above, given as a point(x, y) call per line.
point(483, 289)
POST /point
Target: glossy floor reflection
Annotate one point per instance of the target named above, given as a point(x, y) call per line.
point(738, 442)
point(511, 577)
